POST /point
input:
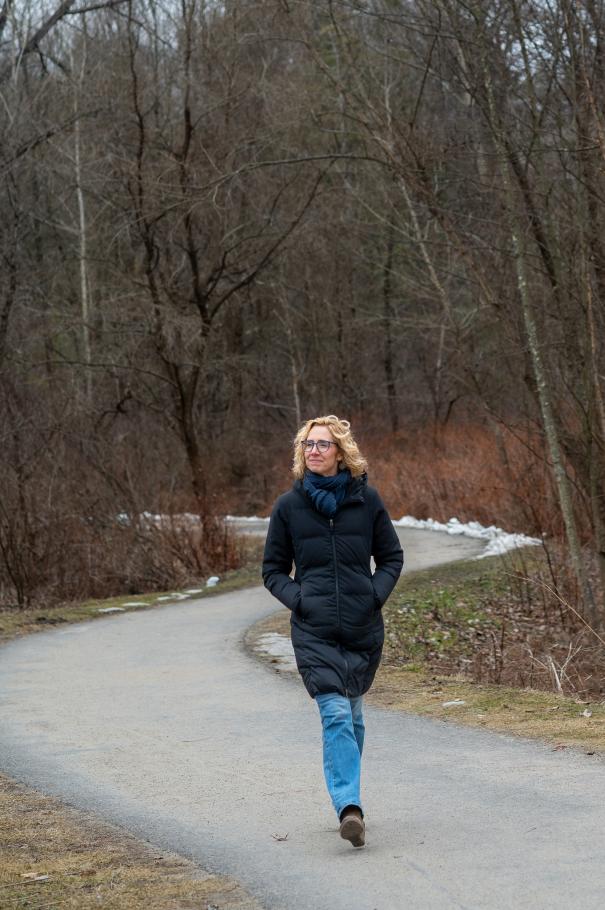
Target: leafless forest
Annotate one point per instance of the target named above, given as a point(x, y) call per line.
point(220, 218)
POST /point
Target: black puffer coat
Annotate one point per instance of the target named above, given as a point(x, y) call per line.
point(337, 627)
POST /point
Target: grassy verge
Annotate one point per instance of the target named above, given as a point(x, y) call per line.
point(52, 856)
point(557, 719)
point(452, 630)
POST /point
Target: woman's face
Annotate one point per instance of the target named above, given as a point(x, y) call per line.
point(325, 463)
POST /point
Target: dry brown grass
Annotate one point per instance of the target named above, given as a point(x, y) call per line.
point(52, 856)
point(471, 471)
point(522, 712)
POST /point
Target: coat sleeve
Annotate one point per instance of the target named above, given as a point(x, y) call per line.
point(278, 559)
point(387, 553)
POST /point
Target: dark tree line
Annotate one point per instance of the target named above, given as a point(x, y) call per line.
point(220, 218)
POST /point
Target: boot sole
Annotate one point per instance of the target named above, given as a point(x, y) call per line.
point(352, 829)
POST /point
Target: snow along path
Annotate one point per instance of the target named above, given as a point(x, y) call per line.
point(161, 722)
point(496, 540)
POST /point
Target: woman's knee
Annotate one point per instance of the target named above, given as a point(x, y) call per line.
point(334, 708)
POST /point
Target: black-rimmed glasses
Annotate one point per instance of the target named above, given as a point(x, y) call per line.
point(322, 445)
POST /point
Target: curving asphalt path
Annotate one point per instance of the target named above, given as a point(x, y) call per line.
point(160, 721)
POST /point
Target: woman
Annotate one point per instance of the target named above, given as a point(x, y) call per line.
point(330, 524)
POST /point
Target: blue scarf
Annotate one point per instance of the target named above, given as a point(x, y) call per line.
point(327, 493)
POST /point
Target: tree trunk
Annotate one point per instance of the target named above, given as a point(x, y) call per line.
point(545, 397)
point(82, 239)
point(389, 369)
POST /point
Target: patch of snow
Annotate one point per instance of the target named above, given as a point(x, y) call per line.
point(181, 519)
point(152, 519)
point(175, 595)
point(497, 540)
point(193, 590)
point(244, 518)
point(279, 646)
point(111, 610)
point(135, 603)
point(454, 703)
point(212, 581)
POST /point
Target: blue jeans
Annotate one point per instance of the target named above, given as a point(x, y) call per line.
point(343, 732)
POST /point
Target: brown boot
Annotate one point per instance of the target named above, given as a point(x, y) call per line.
point(352, 826)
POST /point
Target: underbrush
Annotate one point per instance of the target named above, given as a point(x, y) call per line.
point(42, 614)
point(56, 556)
point(468, 470)
point(498, 621)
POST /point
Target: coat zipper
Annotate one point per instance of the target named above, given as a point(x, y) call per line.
point(346, 676)
point(335, 570)
point(338, 600)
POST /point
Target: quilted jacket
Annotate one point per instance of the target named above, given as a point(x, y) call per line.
point(335, 599)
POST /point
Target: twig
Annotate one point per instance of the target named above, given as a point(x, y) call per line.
point(27, 881)
point(564, 602)
point(559, 674)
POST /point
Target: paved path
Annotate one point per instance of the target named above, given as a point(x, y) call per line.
point(160, 721)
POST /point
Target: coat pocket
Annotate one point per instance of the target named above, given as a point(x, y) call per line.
point(296, 606)
point(377, 600)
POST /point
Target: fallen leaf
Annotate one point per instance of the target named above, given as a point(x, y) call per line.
point(279, 836)
point(35, 876)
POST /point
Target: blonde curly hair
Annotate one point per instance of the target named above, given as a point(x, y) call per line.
point(341, 433)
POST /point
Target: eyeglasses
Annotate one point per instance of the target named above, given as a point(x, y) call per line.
point(322, 445)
